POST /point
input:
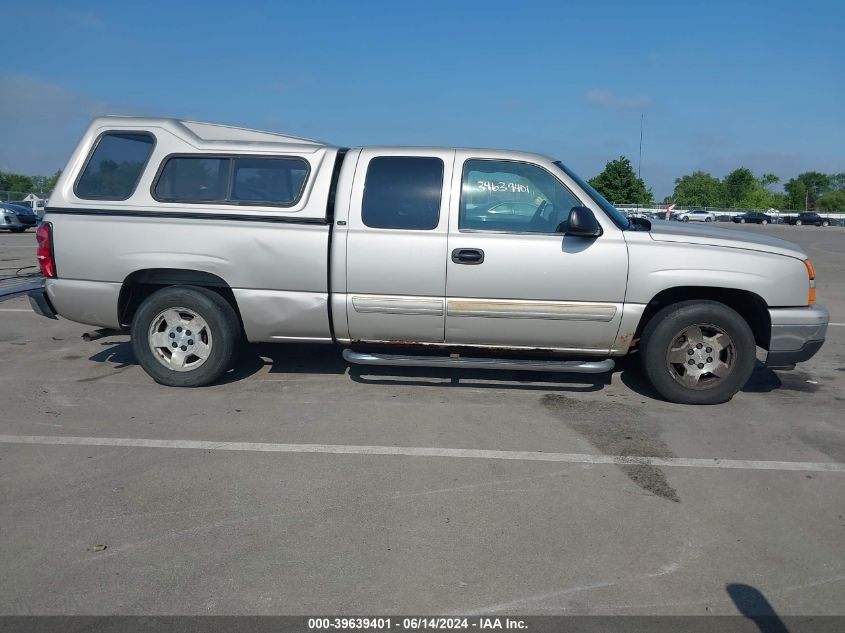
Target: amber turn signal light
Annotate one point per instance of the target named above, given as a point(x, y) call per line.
point(811, 273)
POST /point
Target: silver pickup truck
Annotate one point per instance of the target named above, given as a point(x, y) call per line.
point(195, 236)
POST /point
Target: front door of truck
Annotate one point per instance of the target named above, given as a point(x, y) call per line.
point(396, 245)
point(513, 278)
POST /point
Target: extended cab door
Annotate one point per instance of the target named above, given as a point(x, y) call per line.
point(396, 245)
point(513, 279)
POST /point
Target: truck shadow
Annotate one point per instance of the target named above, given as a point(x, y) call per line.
point(326, 359)
point(752, 604)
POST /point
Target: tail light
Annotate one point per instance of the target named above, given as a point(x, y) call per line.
point(44, 237)
point(811, 273)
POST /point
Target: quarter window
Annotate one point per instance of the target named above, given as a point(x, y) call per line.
point(403, 192)
point(115, 166)
point(510, 196)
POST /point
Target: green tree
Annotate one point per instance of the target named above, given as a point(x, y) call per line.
point(837, 182)
point(16, 183)
point(52, 180)
point(698, 189)
point(832, 201)
point(619, 184)
point(796, 194)
point(767, 180)
point(741, 187)
point(804, 190)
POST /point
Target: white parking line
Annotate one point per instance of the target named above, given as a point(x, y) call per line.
point(15, 310)
point(411, 451)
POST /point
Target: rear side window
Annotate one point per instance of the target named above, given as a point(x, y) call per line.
point(115, 166)
point(193, 178)
point(403, 192)
point(232, 180)
point(278, 180)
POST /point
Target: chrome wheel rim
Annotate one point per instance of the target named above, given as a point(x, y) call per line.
point(180, 339)
point(701, 356)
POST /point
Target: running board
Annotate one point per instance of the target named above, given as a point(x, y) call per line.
point(573, 366)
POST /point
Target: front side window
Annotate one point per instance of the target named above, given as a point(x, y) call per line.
point(403, 192)
point(115, 166)
point(232, 180)
point(510, 196)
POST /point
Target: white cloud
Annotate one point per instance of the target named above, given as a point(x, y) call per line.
point(607, 99)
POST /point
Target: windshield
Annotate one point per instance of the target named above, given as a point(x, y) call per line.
point(618, 219)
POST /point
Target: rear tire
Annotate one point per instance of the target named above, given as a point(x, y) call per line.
point(18, 230)
point(710, 334)
point(742, 221)
point(708, 220)
point(185, 336)
point(764, 222)
point(825, 223)
point(798, 223)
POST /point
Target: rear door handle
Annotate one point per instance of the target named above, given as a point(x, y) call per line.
point(470, 256)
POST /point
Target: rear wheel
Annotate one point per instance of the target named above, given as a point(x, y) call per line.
point(708, 219)
point(742, 220)
point(685, 219)
point(698, 352)
point(825, 223)
point(185, 336)
point(764, 222)
point(798, 223)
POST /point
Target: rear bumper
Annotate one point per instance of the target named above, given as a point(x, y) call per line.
point(797, 334)
point(40, 303)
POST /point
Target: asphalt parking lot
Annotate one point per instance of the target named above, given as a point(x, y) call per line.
point(290, 500)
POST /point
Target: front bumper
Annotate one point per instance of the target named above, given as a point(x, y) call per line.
point(40, 303)
point(797, 334)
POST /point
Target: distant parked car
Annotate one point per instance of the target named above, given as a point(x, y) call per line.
point(807, 218)
point(753, 217)
point(16, 218)
point(698, 215)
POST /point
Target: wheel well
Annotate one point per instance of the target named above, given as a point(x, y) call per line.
point(748, 305)
point(142, 283)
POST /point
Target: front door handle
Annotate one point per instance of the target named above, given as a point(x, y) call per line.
point(470, 256)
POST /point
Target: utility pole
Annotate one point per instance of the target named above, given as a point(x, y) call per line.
point(640, 161)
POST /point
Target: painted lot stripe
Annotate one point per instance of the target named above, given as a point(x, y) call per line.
point(411, 451)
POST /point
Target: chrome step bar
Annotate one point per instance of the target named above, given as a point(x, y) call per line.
point(466, 362)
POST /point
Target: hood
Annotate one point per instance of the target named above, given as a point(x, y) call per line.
point(663, 231)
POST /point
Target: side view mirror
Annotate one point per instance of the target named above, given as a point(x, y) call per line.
point(582, 223)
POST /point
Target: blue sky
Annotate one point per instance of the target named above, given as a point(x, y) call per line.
point(720, 84)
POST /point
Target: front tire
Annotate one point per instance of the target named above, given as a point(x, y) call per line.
point(185, 336)
point(685, 219)
point(764, 222)
point(798, 223)
point(708, 220)
point(742, 221)
point(697, 352)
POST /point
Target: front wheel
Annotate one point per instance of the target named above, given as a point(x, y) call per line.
point(698, 352)
point(764, 222)
point(708, 219)
point(742, 221)
point(798, 223)
point(185, 336)
point(685, 219)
